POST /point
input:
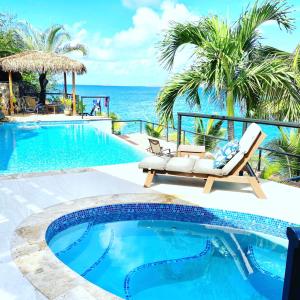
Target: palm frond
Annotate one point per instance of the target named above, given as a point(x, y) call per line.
point(55, 36)
point(210, 135)
point(270, 10)
point(154, 131)
point(177, 36)
point(184, 84)
point(71, 48)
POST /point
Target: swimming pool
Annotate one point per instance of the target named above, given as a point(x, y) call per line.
point(161, 251)
point(45, 146)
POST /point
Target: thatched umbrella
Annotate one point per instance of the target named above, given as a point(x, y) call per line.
point(42, 62)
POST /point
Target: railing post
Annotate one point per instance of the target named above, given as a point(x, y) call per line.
point(167, 133)
point(259, 160)
point(108, 102)
point(141, 126)
point(179, 131)
point(291, 289)
point(245, 125)
point(183, 136)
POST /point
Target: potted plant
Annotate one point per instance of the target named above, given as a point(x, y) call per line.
point(67, 106)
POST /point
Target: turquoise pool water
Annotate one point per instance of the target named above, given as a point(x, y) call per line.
point(46, 146)
point(146, 260)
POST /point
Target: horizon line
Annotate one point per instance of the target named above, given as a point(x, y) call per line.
point(112, 85)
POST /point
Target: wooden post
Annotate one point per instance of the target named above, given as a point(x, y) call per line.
point(11, 94)
point(65, 85)
point(73, 93)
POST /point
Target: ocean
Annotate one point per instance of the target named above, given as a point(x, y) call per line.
point(136, 102)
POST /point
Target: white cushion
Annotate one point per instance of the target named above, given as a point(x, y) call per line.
point(154, 163)
point(206, 166)
point(232, 163)
point(181, 164)
point(249, 137)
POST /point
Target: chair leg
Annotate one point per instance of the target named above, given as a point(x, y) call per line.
point(149, 179)
point(208, 185)
point(257, 188)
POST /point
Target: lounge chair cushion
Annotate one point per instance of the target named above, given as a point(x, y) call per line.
point(225, 154)
point(249, 137)
point(232, 163)
point(181, 164)
point(206, 166)
point(154, 163)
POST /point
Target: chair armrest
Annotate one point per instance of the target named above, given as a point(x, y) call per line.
point(166, 150)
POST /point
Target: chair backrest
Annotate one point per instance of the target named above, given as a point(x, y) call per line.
point(155, 146)
point(249, 137)
point(249, 143)
point(30, 102)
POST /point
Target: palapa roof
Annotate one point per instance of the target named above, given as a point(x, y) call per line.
point(39, 61)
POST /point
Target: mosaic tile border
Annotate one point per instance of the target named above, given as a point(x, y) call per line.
point(171, 212)
point(101, 258)
point(128, 278)
point(85, 233)
point(257, 266)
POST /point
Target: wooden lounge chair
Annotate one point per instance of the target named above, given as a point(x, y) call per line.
point(30, 104)
point(157, 149)
point(204, 168)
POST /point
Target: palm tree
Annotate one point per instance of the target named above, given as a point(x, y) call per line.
point(228, 61)
point(54, 39)
point(205, 134)
point(289, 142)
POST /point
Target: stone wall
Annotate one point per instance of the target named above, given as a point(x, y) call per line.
point(4, 95)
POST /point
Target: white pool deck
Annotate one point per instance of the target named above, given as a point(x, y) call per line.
point(22, 196)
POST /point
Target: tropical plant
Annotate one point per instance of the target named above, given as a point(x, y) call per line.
point(54, 39)
point(205, 134)
point(67, 102)
point(154, 131)
point(80, 107)
point(229, 62)
point(271, 170)
point(117, 126)
point(289, 142)
point(9, 42)
point(173, 138)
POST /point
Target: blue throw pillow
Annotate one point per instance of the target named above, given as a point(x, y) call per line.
point(225, 154)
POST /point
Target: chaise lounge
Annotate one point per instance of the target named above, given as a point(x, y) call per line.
point(205, 168)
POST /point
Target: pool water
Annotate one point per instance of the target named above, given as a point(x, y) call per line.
point(45, 146)
point(173, 260)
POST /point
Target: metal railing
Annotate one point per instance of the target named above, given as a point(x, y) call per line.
point(168, 129)
point(245, 122)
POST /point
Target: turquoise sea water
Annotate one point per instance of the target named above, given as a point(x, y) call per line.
point(45, 146)
point(146, 260)
point(139, 103)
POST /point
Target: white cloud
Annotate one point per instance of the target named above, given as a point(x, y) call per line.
point(139, 3)
point(129, 57)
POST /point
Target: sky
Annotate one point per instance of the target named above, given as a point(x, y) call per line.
point(122, 35)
